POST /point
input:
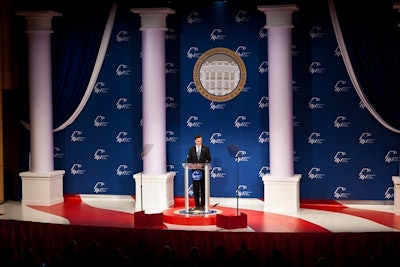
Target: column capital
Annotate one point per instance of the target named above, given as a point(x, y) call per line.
point(38, 21)
point(278, 15)
point(153, 17)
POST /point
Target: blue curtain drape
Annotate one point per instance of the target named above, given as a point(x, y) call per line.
point(75, 44)
point(371, 37)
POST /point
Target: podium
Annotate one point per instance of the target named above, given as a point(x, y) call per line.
point(198, 166)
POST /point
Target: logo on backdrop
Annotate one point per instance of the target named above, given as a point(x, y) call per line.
point(263, 171)
point(171, 35)
point(338, 53)
point(122, 103)
point(216, 172)
point(263, 32)
point(100, 154)
point(315, 173)
point(316, 32)
point(99, 88)
point(193, 18)
point(77, 169)
point(340, 122)
point(295, 158)
point(241, 51)
point(242, 191)
point(191, 88)
point(100, 121)
point(123, 170)
point(314, 138)
point(315, 103)
point(295, 51)
point(391, 156)
point(389, 193)
point(316, 68)
point(170, 137)
point(295, 86)
point(122, 36)
point(263, 68)
point(170, 102)
point(76, 136)
point(216, 139)
point(240, 156)
point(99, 187)
point(57, 153)
point(365, 139)
point(263, 137)
point(241, 16)
point(193, 52)
point(340, 192)
point(170, 68)
point(366, 174)
point(340, 86)
point(171, 168)
point(216, 35)
point(361, 104)
point(340, 157)
point(264, 102)
point(295, 122)
point(192, 121)
point(240, 122)
point(214, 106)
point(122, 137)
point(122, 70)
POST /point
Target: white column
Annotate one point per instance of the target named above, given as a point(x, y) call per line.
point(281, 186)
point(153, 28)
point(41, 185)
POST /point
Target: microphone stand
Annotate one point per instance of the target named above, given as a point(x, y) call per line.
point(237, 183)
point(234, 151)
point(145, 150)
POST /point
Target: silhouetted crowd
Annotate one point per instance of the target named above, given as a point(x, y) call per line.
point(94, 254)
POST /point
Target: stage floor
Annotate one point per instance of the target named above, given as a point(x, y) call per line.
point(118, 211)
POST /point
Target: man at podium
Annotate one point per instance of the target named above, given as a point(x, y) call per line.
point(199, 153)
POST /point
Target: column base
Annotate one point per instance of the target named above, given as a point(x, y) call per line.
point(396, 194)
point(281, 194)
point(158, 192)
point(42, 189)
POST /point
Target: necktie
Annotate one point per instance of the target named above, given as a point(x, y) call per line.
point(198, 153)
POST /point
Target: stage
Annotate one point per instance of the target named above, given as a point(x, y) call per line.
point(324, 228)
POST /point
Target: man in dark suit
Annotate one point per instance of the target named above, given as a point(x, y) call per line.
point(199, 153)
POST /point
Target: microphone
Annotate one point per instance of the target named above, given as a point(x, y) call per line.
point(216, 204)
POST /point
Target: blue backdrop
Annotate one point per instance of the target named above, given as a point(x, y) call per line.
point(340, 150)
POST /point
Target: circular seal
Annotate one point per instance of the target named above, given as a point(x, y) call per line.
point(219, 74)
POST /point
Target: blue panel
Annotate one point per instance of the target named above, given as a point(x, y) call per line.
point(341, 151)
